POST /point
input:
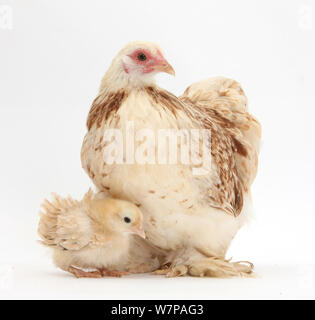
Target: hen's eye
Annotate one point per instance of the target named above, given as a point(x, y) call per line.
point(127, 220)
point(142, 57)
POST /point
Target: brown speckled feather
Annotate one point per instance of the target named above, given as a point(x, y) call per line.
point(221, 106)
point(104, 106)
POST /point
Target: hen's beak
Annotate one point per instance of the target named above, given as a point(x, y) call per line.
point(165, 67)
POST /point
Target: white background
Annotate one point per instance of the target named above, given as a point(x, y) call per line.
point(51, 63)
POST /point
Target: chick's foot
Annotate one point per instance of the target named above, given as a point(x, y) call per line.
point(84, 274)
point(112, 273)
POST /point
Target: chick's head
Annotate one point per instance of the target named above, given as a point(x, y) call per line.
point(117, 216)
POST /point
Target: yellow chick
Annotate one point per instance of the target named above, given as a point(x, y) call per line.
point(89, 234)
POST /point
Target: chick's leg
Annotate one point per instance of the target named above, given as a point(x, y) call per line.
point(84, 274)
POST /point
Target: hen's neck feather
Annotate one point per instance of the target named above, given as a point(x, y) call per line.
point(116, 78)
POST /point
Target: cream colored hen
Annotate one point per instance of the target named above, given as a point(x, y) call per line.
point(191, 218)
point(90, 234)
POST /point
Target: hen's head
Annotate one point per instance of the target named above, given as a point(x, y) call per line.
point(136, 65)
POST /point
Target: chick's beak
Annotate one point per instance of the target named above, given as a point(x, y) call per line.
point(164, 66)
point(139, 231)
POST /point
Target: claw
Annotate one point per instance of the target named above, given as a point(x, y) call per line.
point(171, 272)
point(163, 270)
point(177, 271)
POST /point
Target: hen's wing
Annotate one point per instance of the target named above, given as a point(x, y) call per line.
point(64, 224)
point(221, 106)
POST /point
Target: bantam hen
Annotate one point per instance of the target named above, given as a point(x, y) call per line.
point(191, 211)
point(89, 234)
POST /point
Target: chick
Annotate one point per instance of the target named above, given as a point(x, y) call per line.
point(91, 233)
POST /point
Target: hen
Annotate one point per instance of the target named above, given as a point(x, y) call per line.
point(191, 211)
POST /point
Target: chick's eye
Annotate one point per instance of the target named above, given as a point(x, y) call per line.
point(141, 56)
point(127, 220)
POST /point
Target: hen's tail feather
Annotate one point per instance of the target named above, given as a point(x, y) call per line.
point(223, 96)
point(224, 101)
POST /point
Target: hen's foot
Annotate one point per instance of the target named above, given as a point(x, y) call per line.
point(215, 267)
point(209, 267)
point(176, 271)
point(112, 273)
point(84, 274)
point(164, 270)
